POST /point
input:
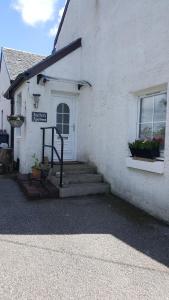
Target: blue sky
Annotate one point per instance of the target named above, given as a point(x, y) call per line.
point(30, 25)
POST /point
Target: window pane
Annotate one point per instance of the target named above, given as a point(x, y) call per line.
point(145, 131)
point(59, 127)
point(62, 118)
point(59, 108)
point(159, 133)
point(66, 118)
point(146, 109)
point(65, 108)
point(65, 129)
point(152, 118)
point(59, 118)
point(160, 107)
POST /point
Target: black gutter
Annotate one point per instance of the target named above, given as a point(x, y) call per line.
point(12, 129)
point(61, 24)
point(15, 84)
point(1, 59)
point(38, 68)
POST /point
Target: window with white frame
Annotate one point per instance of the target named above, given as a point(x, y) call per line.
point(152, 118)
point(63, 118)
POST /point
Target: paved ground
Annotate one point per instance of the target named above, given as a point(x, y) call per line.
point(89, 248)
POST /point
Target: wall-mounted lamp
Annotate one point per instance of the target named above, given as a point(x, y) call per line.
point(36, 98)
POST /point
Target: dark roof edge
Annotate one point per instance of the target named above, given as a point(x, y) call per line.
point(1, 59)
point(2, 55)
point(61, 24)
point(39, 67)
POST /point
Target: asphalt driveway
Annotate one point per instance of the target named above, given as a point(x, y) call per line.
point(86, 248)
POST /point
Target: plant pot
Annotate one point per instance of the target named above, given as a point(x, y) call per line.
point(150, 154)
point(15, 121)
point(36, 173)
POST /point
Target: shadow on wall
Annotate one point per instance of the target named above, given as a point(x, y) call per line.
point(89, 215)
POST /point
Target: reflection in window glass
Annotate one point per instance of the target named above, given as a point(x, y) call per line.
point(62, 118)
point(147, 105)
point(146, 131)
point(160, 104)
point(152, 120)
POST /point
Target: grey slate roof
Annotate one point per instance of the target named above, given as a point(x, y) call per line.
point(19, 61)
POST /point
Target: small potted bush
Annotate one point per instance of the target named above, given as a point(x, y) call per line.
point(16, 121)
point(145, 148)
point(36, 168)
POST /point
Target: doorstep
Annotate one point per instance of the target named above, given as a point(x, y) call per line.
point(154, 166)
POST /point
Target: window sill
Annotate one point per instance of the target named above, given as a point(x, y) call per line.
point(149, 166)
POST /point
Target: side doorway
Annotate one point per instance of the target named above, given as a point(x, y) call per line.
point(65, 119)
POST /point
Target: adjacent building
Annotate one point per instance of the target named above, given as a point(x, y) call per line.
point(12, 63)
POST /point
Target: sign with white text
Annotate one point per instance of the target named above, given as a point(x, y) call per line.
point(39, 117)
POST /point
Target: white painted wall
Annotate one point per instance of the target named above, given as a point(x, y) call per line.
point(30, 141)
point(125, 50)
point(4, 103)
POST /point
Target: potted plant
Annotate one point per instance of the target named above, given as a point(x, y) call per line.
point(36, 168)
point(145, 148)
point(15, 121)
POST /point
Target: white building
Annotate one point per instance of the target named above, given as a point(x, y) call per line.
point(12, 63)
point(121, 49)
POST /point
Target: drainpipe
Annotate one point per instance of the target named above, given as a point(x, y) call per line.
point(2, 119)
point(12, 129)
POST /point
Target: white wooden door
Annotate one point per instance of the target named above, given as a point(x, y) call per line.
point(65, 121)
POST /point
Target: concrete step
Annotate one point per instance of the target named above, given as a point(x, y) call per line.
point(76, 178)
point(81, 168)
point(83, 189)
point(79, 179)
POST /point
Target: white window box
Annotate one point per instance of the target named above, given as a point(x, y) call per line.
point(149, 166)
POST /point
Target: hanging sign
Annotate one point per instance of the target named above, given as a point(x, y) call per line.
point(39, 117)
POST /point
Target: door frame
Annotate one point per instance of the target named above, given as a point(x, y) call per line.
point(74, 97)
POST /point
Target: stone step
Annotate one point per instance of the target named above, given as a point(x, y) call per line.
point(74, 169)
point(76, 178)
point(83, 189)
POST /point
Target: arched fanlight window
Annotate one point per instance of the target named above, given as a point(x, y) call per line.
point(62, 118)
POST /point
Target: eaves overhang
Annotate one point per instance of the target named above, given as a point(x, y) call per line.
point(41, 66)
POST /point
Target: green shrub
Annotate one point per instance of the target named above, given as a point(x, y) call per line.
point(153, 144)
